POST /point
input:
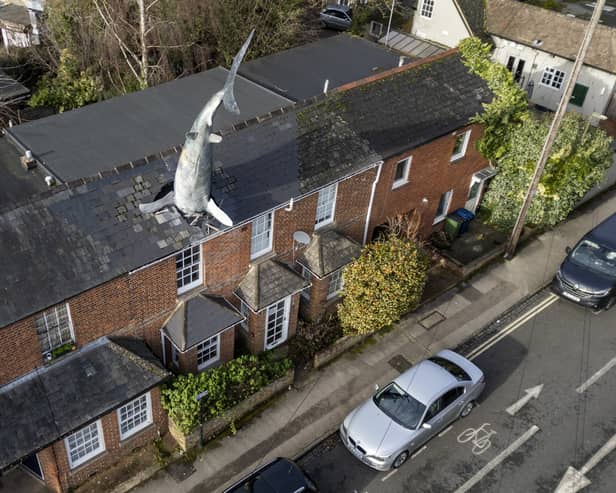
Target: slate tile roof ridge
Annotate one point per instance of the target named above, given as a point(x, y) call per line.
point(396, 70)
point(143, 363)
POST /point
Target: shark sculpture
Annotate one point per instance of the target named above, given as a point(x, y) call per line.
point(193, 176)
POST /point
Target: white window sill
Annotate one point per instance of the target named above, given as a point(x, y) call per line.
point(457, 157)
point(398, 184)
point(322, 224)
point(85, 461)
point(131, 433)
point(207, 364)
point(260, 254)
point(189, 287)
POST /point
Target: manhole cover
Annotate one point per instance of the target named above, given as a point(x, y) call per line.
point(431, 320)
point(180, 470)
point(400, 363)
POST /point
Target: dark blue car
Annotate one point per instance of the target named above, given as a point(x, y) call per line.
point(588, 274)
point(279, 476)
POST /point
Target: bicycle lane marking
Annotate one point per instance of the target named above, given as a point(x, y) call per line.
point(479, 437)
point(495, 462)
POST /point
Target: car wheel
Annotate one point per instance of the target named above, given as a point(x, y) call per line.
point(401, 459)
point(466, 410)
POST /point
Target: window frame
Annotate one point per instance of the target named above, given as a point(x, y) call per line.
point(43, 316)
point(333, 294)
point(439, 218)
point(427, 9)
point(180, 273)
point(405, 175)
point(285, 323)
point(144, 424)
point(549, 75)
point(210, 361)
point(306, 274)
point(90, 455)
point(466, 137)
point(324, 220)
point(269, 231)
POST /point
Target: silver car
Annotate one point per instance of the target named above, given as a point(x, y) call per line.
point(336, 17)
point(385, 430)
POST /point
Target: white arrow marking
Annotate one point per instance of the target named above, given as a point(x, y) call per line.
point(575, 480)
point(497, 460)
point(532, 393)
point(582, 388)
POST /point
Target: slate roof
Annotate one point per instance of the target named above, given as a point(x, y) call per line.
point(328, 251)
point(14, 16)
point(84, 234)
point(474, 13)
point(51, 402)
point(267, 282)
point(17, 183)
point(300, 73)
point(10, 89)
point(560, 34)
point(200, 318)
point(101, 136)
point(439, 95)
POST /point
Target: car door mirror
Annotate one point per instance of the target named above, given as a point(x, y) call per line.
point(376, 387)
point(568, 250)
point(427, 426)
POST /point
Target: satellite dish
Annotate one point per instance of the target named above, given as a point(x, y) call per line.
point(301, 237)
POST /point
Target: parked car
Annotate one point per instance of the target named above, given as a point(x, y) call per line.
point(587, 276)
point(336, 17)
point(385, 430)
point(279, 476)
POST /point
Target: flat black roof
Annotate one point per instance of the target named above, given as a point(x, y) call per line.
point(300, 73)
point(82, 142)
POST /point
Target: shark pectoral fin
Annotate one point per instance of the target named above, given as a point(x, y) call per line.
point(157, 205)
point(218, 214)
point(214, 138)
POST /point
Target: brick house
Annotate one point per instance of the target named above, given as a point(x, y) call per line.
point(113, 279)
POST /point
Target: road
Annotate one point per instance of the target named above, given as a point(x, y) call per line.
point(564, 348)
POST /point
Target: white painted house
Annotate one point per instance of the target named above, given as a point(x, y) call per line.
point(538, 46)
point(447, 22)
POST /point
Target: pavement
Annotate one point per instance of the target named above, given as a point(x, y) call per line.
point(317, 403)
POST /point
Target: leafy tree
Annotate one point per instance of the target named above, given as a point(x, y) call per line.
point(509, 108)
point(384, 283)
point(70, 88)
point(580, 156)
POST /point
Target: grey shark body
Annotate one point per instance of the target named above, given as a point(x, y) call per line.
point(193, 177)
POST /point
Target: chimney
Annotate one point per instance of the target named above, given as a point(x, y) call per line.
point(27, 161)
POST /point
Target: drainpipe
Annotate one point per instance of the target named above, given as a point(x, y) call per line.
point(162, 348)
point(372, 193)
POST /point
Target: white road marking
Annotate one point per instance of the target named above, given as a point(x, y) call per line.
point(419, 452)
point(389, 474)
point(582, 388)
point(445, 431)
point(575, 480)
point(532, 393)
point(513, 326)
point(497, 460)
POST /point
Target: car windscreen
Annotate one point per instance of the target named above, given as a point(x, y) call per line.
point(403, 408)
point(451, 367)
point(595, 257)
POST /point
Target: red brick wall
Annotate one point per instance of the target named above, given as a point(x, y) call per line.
point(226, 259)
point(256, 338)
point(114, 448)
point(431, 174)
point(20, 350)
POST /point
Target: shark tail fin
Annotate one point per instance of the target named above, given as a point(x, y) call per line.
point(218, 214)
point(229, 96)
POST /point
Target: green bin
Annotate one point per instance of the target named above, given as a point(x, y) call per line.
point(453, 225)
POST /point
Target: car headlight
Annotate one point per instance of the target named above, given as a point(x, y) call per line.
point(376, 460)
point(602, 293)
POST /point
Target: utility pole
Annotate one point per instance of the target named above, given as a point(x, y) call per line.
point(391, 14)
point(551, 137)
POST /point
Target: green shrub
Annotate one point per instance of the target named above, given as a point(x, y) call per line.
point(227, 385)
point(310, 338)
point(384, 283)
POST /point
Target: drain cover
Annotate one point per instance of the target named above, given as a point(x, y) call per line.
point(180, 470)
point(400, 363)
point(431, 320)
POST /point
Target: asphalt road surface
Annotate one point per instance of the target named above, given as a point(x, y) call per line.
point(570, 424)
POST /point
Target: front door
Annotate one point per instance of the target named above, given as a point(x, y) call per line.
point(474, 192)
point(277, 323)
point(33, 466)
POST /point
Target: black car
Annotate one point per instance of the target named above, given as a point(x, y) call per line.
point(279, 476)
point(588, 274)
